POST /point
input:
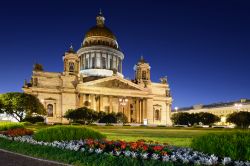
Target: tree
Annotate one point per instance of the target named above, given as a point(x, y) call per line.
point(1, 106)
point(207, 118)
point(33, 119)
point(109, 118)
point(240, 119)
point(101, 114)
point(19, 105)
point(121, 118)
point(181, 118)
point(82, 115)
point(194, 119)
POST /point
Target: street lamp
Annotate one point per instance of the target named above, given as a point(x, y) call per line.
point(123, 102)
point(176, 109)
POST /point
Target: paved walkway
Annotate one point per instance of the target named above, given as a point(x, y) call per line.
point(13, 159)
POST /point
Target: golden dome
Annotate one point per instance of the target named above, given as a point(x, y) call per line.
point(100, 35)
point(100, 31)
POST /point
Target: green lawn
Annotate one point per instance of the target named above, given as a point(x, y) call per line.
point(172, 136)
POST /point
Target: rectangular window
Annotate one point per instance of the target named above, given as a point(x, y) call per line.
point(103, 62)
point(111, 63)
point(86, 63)
point(93, 62)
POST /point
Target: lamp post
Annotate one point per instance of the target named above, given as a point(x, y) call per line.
point(123, 102)
point(176, 109)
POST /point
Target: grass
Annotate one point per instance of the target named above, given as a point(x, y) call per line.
point(66, 133)
point(75, 158)
point(173, 136)
point(235, 145)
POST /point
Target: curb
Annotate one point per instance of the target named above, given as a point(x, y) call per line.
point(39, 159)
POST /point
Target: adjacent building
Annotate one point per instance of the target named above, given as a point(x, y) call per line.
point(222, 109)
point(93, 77)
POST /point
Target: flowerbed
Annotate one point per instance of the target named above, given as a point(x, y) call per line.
point(17, 132)
point(139, 150)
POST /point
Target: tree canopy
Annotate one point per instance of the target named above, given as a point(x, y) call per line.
point(82, 115)
point(184, 118)
point(240, 119)
point(19, 105)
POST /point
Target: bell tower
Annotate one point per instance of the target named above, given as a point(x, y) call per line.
point(71, 62)
point(142, 72)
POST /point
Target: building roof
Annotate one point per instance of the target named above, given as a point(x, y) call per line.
point(215, 105)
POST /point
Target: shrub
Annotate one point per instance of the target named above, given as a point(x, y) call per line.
point(66, 133)
point(33, 119)
point(18, 132)
point(82, 115)
point(232, 144)
point(110, 118)
point(10, 125)
point(121, 118)
point(241, 119)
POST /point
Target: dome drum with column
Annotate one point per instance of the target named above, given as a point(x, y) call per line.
point(100, 54)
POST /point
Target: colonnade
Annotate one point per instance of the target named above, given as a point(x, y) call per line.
point(135, 108)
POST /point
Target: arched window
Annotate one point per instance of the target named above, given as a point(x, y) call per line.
point(71, 66)
point(50, 110)
point(144, 75)
point(157, 115)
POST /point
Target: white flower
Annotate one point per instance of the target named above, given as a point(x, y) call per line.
point(173, 158)
point(91, 150)
point(155, 156)
point(239, 163)
point(144, 155)
point(127, 153)
point(82, 149)
point(98, 151)
point(134, 154)
point(197, 162)
point(214, 159)
point(165, 158)
point(117, 153)
point(226, 160)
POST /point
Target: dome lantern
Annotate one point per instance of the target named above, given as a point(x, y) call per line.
point(100, 19)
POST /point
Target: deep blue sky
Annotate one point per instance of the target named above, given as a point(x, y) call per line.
point(202, 46)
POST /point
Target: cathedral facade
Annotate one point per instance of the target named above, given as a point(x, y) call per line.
point(92, 77)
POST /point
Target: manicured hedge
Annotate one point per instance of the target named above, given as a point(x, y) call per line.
point(10, 125)
point(66, 133)
point(77, 158)
point(235, 145)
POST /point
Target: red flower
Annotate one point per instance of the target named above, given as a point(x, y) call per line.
point(123, 146)
point(18, 132)
point(145, 147)
point(157, 148)
point(133, 145)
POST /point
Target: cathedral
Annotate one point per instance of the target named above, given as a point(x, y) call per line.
point(92, 77)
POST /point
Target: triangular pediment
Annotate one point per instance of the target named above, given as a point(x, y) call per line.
point(114, 82)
